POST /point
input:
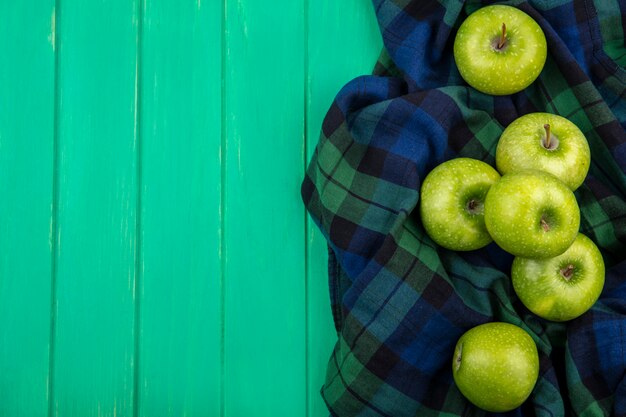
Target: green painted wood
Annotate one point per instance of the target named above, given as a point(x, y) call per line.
point(26, 158)
point(95, 234)
point(331, 64)
point(168, 233)
point(264, 218)
point(180, 130)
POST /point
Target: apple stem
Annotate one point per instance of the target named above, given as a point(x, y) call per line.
point(548, 136)
point(502, 37)
point(545, 225)
point(568, 272)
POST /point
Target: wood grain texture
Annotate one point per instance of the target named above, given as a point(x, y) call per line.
point(155, 255)
point(343, 43)
point(94, 339)
point(264, 219)
point(26, 159)
point(180, 129)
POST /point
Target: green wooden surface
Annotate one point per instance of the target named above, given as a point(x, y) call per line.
point(26, 160)
point(96, 184)
point(180, 137)
point(155, 256)
point(264, 313)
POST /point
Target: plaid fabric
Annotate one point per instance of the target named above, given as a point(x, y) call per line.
point(399, 301)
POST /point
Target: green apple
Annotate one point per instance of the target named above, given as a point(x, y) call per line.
point(532, 214)
point(564, 287)
point(500, 50)
point(546, 142)
point(452, 203)
point(495, 366)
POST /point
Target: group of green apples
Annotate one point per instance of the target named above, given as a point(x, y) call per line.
point(530, 211)
point(527, 207)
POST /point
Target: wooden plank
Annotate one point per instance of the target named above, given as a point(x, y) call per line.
point(180, 347)
point(264, 218)
point(26, 160)
point(94, 326)
point(331, 64)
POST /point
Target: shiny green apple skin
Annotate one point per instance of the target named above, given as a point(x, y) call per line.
point(445, 198)
point(500, 71)
point(552, 290)
point(495, 366)
point(523, 146)
point(532, 214)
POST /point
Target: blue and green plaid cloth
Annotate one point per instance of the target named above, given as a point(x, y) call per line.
point(399, 301)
